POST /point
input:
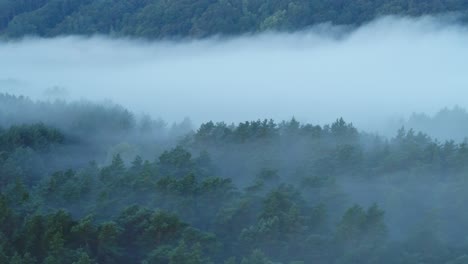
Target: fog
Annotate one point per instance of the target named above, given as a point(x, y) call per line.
point(386, 69)
point(78, 140)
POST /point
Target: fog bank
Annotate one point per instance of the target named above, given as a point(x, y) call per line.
point(386, 69)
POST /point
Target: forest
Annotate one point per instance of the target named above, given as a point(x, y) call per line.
point(84, 182)
point(159, 19)
point(96, 167)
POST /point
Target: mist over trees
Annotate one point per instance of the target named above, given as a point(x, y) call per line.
point(156, 19)
point(446, 124)
point(114, 188)
point(97, 182)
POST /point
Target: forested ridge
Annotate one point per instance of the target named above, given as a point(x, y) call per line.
point(131, 189)
point(157, 19)
point(83, 182)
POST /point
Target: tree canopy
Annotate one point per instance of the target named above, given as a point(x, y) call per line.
point(253, 192)
point(156, 19)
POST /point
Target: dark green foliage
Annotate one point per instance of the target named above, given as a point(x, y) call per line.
point(37, 137)
point(190, 18)
point(361, 234)
point(255, 192)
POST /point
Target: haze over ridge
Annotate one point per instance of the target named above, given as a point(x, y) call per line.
point(390, 67)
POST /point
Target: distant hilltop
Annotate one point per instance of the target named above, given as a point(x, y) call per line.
point(158, 19)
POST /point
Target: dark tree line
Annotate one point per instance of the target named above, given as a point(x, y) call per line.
point(188, 18)
point(247, 193)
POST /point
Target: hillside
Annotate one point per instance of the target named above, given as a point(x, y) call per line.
point(255, 192)
point(156, 19)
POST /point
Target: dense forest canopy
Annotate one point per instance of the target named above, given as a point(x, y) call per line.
point(156, 19)
point(83, 182)
point(119, 188)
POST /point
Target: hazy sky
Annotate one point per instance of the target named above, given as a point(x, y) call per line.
point(390, 67)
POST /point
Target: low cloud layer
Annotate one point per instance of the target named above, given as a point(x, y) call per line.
point(386, 69)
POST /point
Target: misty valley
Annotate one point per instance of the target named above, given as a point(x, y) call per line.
point(233, 132)
point(86, 182)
